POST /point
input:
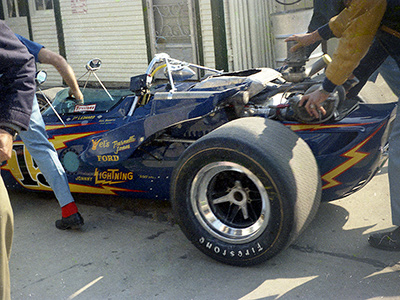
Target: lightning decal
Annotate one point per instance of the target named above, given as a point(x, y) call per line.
point(313, 127)
point(103, 190)
point(54, 127)
point(22, 167)
point(59, 140)
point(355, 157)
point(111, 176)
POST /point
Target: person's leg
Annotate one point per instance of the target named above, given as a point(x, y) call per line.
point(392, 46)
point(390, 240)
point(390, 72)
point(46, 157)
point(394, 170)
point(6, 236)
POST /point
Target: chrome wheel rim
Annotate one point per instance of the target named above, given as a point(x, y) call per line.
point(230, 202)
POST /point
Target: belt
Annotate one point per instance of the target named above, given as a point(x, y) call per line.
point(391, 31)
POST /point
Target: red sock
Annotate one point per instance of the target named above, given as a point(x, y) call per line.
point(69, 210)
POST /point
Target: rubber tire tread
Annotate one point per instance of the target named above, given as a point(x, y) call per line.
point(284, 156)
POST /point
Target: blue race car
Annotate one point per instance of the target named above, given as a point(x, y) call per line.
point(244, 166)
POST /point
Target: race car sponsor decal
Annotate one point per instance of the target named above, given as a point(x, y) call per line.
point(107, 158)
point(28, 175)
point(116, 146)
point(82, 118)
point(107, 121)
point(82, 108)
point(111, 176)
point(84, 178)
point(123, 145)
point(251, 251)
point(100, 143)
point(147, 177)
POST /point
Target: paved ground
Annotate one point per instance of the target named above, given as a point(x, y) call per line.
point(140, 254)
point(121, 255)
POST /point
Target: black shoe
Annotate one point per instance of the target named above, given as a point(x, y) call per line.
point(74, 221)
point(389, 241)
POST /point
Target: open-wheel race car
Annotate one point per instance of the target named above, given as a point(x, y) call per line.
point(244, 166)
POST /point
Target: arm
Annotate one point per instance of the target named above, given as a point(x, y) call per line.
point(356, 27)
point(304, 39)
point(49, 57)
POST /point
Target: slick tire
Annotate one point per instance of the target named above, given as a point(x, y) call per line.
point(244, 192)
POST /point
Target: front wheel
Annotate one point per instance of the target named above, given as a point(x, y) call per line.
point(245, 191)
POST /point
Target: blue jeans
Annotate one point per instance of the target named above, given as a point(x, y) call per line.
point(390, 73)
point(383, 56)
point(391, 45)
point(46, 157)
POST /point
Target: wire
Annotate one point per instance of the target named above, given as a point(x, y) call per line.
point(158, 68)
point(290, 3)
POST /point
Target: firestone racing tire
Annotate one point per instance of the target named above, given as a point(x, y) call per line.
point(244, 192)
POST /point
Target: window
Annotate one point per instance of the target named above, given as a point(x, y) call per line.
point(44, 4)
point(173, 28)
point(23, 8)
point(12, 10)
point(17, 8)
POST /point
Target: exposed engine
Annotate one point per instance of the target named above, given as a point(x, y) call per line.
point(281, 100)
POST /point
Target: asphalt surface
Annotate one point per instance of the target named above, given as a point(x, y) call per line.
point(129, 249)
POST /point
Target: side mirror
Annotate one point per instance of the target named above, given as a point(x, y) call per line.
point(93, 64)
point(41, 77)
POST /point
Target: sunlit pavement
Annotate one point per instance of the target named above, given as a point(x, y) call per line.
point(142, 254)
point(120, 255)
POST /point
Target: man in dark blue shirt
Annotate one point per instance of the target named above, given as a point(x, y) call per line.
point(17, 89)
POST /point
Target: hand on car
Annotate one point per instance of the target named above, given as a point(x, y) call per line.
point(313, 101)
point(6, 142)
point(303, 40)
point(77, 95)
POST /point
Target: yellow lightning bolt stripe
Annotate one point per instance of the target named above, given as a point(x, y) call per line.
point(60, 140)
point(355, 158)
point(103, 190)
point(312, 127)
point(77, 188)
point(54, 127)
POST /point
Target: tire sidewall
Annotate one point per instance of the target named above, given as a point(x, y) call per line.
point(276, 235)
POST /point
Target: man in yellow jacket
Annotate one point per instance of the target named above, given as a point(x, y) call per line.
point(357, 26)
